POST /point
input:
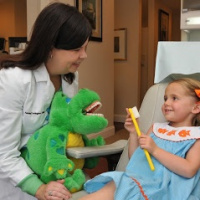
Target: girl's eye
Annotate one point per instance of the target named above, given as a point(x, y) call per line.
point(165, 98)
point(175, 98)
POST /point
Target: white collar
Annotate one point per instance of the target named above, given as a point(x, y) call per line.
point(41, 73)
point(164, 131)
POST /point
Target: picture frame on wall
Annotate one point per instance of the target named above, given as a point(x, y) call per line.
point(92, 10)
point(163, 27)
point(120, 44)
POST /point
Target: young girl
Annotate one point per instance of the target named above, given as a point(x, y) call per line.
point(174, 147)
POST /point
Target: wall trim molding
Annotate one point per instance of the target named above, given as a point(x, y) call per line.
point(119, 118)
point(107, 132)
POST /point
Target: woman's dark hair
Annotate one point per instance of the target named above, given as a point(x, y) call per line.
point(58, 25)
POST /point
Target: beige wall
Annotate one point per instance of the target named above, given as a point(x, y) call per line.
point(35, 6)
point(97, 71)
point(20, 18)
point(176, 33)
point(13, 19)
point(134, 76)
point(127, 73)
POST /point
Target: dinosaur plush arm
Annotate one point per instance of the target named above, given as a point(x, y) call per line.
point(99, 141)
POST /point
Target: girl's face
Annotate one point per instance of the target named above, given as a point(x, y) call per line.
point(179, 107)
point(66, 61)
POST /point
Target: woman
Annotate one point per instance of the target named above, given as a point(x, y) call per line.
point(28, 82)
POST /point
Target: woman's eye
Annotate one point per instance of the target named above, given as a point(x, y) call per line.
point(77, 49)
point(81, 48)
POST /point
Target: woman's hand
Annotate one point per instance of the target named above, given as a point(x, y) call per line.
point(53, 190)
point(146, 142)
point(128, 125)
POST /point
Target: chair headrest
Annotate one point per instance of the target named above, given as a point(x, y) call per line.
point(177, 59)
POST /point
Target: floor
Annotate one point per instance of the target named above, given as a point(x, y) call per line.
point(121, 133)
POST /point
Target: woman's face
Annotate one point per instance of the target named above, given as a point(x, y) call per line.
point(66, 61)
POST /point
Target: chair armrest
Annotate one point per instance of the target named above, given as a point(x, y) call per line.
point(86, 152)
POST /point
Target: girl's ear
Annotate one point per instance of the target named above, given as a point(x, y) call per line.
point(196, 108)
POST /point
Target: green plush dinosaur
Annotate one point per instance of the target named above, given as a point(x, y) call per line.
point(70, 120)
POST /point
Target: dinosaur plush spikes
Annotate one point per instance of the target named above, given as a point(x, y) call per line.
point(68, 127)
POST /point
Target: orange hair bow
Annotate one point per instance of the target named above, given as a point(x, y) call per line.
point(197, 91)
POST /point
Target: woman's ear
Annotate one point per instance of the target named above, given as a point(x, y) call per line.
point(196, 108)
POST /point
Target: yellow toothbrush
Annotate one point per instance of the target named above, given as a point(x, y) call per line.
point(135, 114)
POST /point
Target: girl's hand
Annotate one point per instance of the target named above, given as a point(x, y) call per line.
point(146, 142)
point(53, 190)
point(128, 125)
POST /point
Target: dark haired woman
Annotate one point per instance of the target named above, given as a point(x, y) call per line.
point(28, 82)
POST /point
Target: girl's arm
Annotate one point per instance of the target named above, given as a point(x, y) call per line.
point(133, 138)
point(186, 167)
point(133, 144)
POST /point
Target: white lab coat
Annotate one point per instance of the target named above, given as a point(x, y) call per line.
point(25, 96)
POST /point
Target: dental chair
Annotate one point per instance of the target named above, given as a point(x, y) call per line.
point(174, 60)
